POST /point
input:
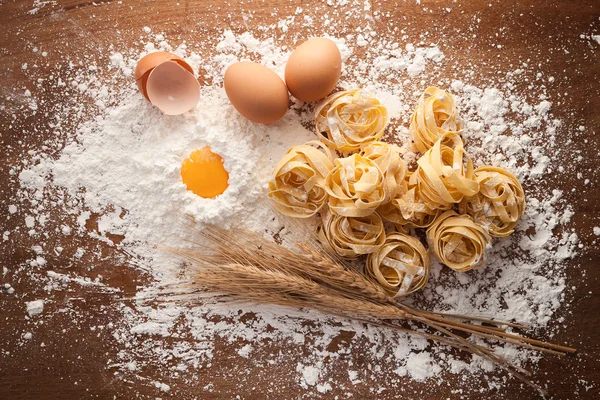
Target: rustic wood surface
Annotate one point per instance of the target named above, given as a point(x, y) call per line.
point(74, 362)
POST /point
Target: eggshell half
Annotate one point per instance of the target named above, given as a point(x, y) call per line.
point(172, 88)
point(256, 92)
point(149, 62)
point(313, 69)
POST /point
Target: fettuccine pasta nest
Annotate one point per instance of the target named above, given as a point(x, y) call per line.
point(346, 120)
point(390, 213)
point(407, 210)
point(298, 185)
point(350, 237)
point(458, 241)
point(445, 174)
point(370, 188)
point(356, 186)
point(400, 266)
point(387, 157)
point(434, 116)
point(414, 211)
point(500, 202)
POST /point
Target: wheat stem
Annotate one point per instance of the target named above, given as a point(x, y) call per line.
point(244, 266)
point(490, 332)
point(317, 265)
point(259, 284)
point(480, 319)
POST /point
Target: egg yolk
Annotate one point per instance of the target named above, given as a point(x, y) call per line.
point(204, 174)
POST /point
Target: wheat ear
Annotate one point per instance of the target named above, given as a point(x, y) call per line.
point(262, 284)
point(317, 265)
point(242, 246)
point(491, 332)
point(239, 247)
point(257, 284)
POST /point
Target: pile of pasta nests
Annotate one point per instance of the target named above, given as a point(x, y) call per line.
point(371, 204)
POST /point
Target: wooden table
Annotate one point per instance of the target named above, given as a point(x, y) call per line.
point(74, 361)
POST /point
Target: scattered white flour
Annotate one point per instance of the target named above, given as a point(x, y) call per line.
point(117, 178)
point(419, 366)
point(594, 38)
point(310, 374)
point(353, 375)
point(40, 4)
point(130, 160)
point(245, 351)
point(124, 166)
point(35, 307)
point(162, 386)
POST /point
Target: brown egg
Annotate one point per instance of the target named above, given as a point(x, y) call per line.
point(256, 92)
point(313, 69)
point(149, 62)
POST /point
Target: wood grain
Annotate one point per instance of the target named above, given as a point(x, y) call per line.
point(75, 360)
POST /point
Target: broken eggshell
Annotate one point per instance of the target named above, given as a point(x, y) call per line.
point(168, 82)
point(172, 88)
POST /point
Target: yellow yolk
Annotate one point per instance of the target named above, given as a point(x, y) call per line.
point(204, 174)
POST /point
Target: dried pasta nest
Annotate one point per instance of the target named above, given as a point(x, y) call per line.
point(297, 188)
point(434, 116)
point(390, 213)
point(401, 265)
point(407, 209)
point(350, 237)
point(445, 174)
point(458, 241)
point(414, 211)
point(356, 186)
point(387, 157)
point(500, 202)
point(347, 120)
point(369, 188)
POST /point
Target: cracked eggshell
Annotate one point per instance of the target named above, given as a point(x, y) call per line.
point(172, 88)
point(149, 62)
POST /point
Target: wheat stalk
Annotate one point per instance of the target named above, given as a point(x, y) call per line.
point(262, 284)
point(317, 265)
point(361, 283)
point(253, 283)
point(244, 266)
point(250, 247)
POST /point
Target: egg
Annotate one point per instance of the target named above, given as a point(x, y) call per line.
point(313, 69)
point(256, 92)
point(168, 82)
point(204, 174)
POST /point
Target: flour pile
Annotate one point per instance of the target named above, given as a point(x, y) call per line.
point(123, 167)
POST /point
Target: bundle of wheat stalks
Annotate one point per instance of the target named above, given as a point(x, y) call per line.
point(242, 266)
